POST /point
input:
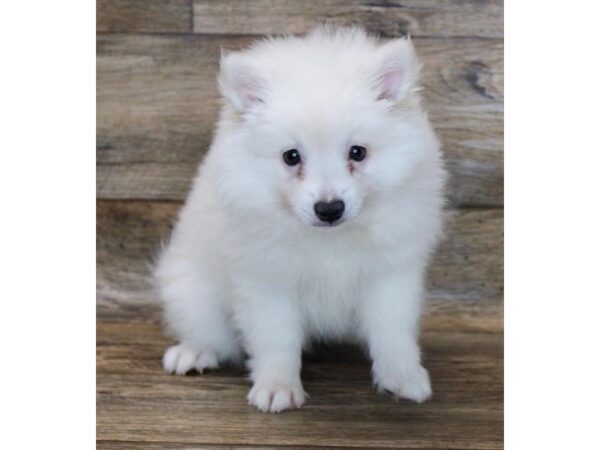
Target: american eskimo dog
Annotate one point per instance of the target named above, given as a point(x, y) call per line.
point(312, 216)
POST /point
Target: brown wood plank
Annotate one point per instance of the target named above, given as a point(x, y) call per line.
point(130, 445)
point(148, 16)
point(482, 316)
point(137, 402)
point(390, 18)
point(157, 103)
point(465, 281)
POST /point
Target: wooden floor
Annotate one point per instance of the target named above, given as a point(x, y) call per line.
point(156, 106)
point(139, 405)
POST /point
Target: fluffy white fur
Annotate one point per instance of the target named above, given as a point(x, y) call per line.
point(250, 270)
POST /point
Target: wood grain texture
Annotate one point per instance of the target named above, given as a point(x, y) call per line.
point(157, 103)
point(138, 403)
point(465, 280)
point(443, 18)
point(147, 16)
point(131, 445)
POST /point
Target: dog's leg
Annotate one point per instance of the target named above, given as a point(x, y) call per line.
point(390, 318)
point(272, 335)
point(196, 315)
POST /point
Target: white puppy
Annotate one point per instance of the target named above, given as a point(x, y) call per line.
point(312, 217)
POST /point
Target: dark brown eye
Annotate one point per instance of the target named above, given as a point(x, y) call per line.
point(291, 157)
point(357, 153)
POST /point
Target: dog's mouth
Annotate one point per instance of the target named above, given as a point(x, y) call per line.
point(321, 224)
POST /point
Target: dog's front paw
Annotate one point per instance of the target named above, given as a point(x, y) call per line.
point(409, 383)
point(181, 358)
point(276, 397)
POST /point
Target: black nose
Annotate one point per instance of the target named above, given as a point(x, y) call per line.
point(329, 212)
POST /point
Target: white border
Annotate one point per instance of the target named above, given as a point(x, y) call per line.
point(47, 261)
point(552, 225)
point(47, 188)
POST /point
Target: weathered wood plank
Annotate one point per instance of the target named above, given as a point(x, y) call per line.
point(137, 402)
point(157, 102)
point(444, 18)
point(465, 280)
point(130, 445)
point(136, 348)
point(482, 316)
point(148, 16)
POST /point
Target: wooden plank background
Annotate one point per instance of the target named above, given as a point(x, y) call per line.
point(156, 106)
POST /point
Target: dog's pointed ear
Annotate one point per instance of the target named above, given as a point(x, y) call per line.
point(239, 81)
point(397, 69)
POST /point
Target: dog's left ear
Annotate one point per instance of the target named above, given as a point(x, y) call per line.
point(396, 70)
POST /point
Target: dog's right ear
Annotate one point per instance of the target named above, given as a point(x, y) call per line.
point(239, 81)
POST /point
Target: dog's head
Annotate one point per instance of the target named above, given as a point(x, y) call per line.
point(321, 126)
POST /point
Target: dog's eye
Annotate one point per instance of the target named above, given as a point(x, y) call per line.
point(291, 157)
point(357, 153)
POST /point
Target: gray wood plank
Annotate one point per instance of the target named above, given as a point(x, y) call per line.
point(157, 102)
point(444, 18)
point(147, 16)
